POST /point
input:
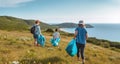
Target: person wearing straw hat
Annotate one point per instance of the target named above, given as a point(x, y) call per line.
point(80, 36)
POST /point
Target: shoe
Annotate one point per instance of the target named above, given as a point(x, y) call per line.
point(83, 61)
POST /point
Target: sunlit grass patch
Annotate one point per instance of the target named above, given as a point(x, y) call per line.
point(18, 46)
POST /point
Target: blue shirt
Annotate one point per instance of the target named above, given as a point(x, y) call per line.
point(81, 35)
point(37, 30)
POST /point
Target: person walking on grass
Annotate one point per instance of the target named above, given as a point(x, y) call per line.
point(80, 36)
point(56, 36)
point(36, 31)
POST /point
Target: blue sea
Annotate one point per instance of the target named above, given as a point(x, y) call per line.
point(109, 32)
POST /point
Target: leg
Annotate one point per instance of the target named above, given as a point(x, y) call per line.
point(35, 42)
point(78, 51)
point(82, 52)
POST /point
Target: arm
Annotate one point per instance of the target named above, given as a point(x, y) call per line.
point(86, 36)
point(76, 32)
point(59, 35)
point(39, 29)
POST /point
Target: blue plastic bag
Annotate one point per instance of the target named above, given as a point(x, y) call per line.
point(55, 42)
point(41, 40)
point(71, 48)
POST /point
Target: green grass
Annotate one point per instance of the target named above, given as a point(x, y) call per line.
point(18, 46)
point(11, 23)
point(105, 43)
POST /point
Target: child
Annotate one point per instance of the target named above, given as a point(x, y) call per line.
point(37, 32)
point(56, 38)
point(56, 34)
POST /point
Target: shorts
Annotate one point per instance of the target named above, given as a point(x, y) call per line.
point(35, 36)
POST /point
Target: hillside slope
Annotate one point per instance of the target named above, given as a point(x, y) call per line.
point(12, 23)
point(18, 46)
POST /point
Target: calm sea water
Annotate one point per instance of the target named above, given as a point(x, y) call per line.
point(101, 31)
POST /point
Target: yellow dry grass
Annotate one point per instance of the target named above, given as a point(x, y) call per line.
point(18, 46)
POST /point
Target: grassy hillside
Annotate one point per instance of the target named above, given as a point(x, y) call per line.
point(18, 46)
point(105, 43)
point(71, 25)
point(42, 25)
point(12, 23)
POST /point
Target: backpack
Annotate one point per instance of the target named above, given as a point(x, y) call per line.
point(32, 30)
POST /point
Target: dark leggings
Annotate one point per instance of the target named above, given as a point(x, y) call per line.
point(80, 48)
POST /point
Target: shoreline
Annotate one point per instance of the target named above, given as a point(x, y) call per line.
point(113, 45)
point(63, 29)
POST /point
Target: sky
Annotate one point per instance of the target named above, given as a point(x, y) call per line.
point(59, 11)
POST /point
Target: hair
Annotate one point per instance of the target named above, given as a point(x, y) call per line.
point(37, 21)
point(56, 29)
point(81, 25)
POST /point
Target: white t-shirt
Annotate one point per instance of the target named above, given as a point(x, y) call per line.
point(56, 35)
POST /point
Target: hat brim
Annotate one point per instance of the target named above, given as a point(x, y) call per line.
point(81, 23)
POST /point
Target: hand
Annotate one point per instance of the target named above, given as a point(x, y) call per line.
point(74, 38)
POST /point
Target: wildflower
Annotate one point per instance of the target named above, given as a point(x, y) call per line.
point(15, 62)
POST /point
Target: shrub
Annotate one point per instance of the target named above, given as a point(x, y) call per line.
point(49, 30)
point(115, 44)
point(105, 44)
point(113, 48)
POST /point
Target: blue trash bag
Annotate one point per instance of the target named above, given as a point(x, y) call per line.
point(55, 42)
point(41, 40)
point(71, 48)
